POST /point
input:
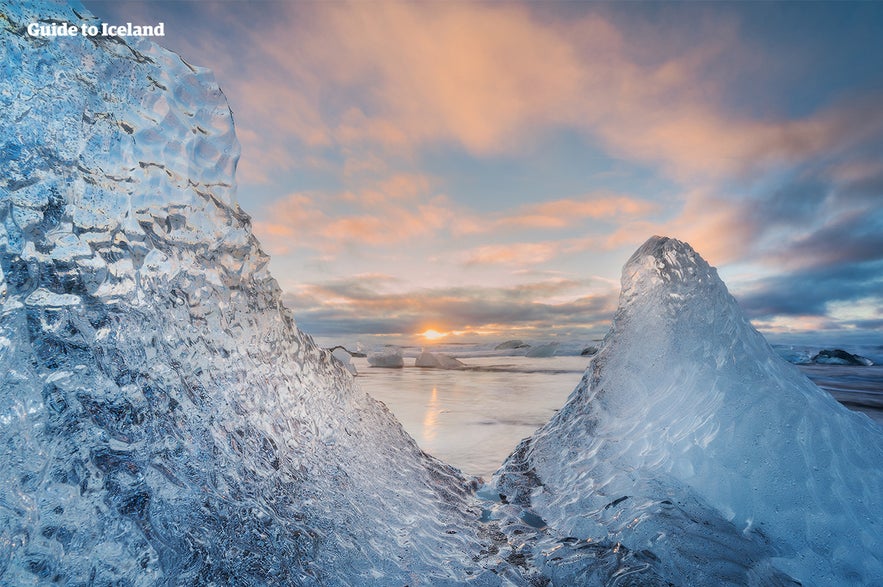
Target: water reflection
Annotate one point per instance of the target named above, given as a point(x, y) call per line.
point(430, 420)
point(474, 418)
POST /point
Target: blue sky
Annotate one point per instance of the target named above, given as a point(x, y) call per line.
point(485, 169)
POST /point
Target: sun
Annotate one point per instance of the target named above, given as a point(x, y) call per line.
point(433, 334)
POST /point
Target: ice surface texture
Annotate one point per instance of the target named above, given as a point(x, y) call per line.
point(162, 419)
point(693, 446)
point(388, 357)
point(164, 422)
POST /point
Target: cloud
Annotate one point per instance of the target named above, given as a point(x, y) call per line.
point(841, 262)
point(560, 213)
point(514, 253)
point(385, 211)
point(494, 78)
point(491, 78)
point(809, 292)
point(527, 254)
point(389, 225)
point(848, 239)
point(402, 208)
point(364, 305)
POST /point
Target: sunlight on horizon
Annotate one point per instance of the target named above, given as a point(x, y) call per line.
point(431, 334)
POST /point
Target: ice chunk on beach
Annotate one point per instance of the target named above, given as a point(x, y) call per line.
point(430, 360)
point(389, 357)
point(163, 421)
point(543, 350)
point(345, 359)
point(697, 451)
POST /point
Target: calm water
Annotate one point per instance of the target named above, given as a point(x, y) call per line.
point(858, 388)
point(474, 418)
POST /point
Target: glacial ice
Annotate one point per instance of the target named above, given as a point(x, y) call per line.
point(511, 344)
point(543, 350)
point(840, 357)
point(690, 440)
point(164, 422)
point(389, 357)
point(162, 419)
point(431, 360)
point(345, 359)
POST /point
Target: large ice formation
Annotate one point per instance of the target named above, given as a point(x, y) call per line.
point(162, 419)
point(699, 454)
point(164, 422)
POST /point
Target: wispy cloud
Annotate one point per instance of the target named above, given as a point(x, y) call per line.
point(365, 304)
point(399, 77)
point(560, 213)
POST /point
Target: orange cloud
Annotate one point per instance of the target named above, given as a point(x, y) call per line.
point(299, 220)
point(569, 211)
point(516, 253)
point(525, 253)
point(490, 76)
point(394, 77)
point(715, 226)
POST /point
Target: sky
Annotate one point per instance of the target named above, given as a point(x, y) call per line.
point(482, 170)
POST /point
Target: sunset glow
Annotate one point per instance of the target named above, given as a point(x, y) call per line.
point(433, 334)
point(491, 166)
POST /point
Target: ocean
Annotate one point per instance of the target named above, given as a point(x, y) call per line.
point(473, 418)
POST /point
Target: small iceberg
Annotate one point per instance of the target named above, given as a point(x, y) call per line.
point(840, 357)
point(389, 357)
point(543, 350)
point(429, 360)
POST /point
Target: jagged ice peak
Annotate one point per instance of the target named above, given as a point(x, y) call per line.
point(686, 413)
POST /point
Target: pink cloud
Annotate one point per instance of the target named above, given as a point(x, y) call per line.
point(570, 211)
point(527, 254)
point(391, 77)
point(377, 217)
point(515, 253)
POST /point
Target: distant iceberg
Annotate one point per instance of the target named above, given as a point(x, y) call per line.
point(430, 360)
point(511, 344)
point(840, 357)
point(543, 350)
point(388, 357)
point(697, 451)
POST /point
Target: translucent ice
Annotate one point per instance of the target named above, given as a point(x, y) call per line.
point(162, 419)
point(345, 359)
point(692, 447)
point(437, 361)
point(389, 357)
point(543, 350)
